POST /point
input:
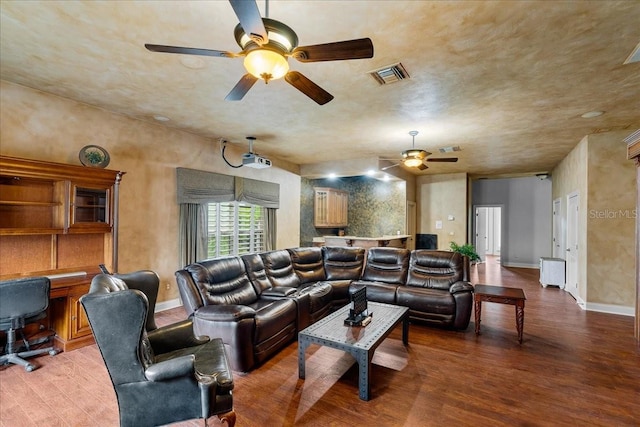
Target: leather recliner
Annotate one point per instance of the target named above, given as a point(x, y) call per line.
point(225, 303)
point(437, 289)
point(384, 271)
point(342, 265)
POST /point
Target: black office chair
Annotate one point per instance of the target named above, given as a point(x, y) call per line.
point(23, 301)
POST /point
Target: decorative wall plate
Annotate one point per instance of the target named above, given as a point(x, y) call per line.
point(94, 156)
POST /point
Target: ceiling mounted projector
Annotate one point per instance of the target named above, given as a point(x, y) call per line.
point(252, 160)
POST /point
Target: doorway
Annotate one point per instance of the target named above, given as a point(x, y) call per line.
point(572, 249)
point(411, 225)
point(488, 236)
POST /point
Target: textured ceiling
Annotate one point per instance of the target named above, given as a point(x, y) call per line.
point(505, 81)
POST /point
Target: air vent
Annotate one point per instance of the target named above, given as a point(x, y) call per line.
point(449, 149)
point(390, 74)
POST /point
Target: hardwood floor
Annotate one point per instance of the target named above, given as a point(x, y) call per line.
point(573, 368)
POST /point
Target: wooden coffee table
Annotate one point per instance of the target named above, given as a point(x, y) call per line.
point(501, 295)
point(360, 342)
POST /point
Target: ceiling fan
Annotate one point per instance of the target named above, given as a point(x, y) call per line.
point(266, 44)
point(417, 158)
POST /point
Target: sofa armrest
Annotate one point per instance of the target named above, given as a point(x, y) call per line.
point(175, 336)
point(279, 292)
point(461, 287)
point(225, 313)
point(172, 368)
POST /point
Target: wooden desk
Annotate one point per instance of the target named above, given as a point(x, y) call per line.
point(501, 295)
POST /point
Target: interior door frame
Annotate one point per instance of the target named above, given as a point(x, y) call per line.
point(502, 226)
point(411, 224)
point(572, 248)
point(559, 230)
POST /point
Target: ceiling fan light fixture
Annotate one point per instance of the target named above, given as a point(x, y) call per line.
point(412, 162)
point(266, 64)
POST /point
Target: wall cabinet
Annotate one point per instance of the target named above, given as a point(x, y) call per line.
point(60, 221)
point(330, 208)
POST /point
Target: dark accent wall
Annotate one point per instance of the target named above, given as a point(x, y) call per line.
point(376, 208)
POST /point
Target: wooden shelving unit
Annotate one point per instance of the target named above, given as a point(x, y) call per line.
point(58, 220)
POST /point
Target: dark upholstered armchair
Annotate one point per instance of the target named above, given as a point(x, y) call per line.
point(165, 376)
point(225, 303)
point(23, 301)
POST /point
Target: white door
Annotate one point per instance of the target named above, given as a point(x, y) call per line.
point(411, 225)
point(481, 232)
point(573, 206)
point(558, 232)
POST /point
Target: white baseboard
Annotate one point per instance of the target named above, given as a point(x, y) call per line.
point(611, 309)
point(168, 305)
point(520, 265)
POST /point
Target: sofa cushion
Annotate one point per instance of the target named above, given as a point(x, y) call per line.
point(308, 264)
point(343, 263)
point(436, 269)
point(426, 300)
point(273, 317)
point(376, 291)
point(279, 269)
point(255, 270)
point(223, 281)
point(386, 265)
point(320, 299)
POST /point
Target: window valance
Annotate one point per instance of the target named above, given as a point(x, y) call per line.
point(196, 186)
point(261, 193)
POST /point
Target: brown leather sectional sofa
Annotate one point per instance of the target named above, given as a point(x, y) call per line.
point(258, 302)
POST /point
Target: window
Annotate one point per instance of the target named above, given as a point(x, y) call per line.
point(234, 228)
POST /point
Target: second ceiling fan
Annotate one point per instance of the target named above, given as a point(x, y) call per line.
point(417, 158)
point(266, 44)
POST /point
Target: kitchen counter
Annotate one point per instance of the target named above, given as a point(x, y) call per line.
point(392, 241)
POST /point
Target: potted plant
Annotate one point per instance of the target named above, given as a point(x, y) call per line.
point(467, 250)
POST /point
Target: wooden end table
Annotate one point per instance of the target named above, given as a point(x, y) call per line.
point(501, 295)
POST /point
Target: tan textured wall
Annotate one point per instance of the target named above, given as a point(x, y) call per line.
point(570, 176)
point(45, 127)
point(611, 221)
point(597, 168)
point(437, 197)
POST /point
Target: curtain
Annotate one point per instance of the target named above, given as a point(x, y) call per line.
point(270, 228)
point(196, 188)
point(192, 236)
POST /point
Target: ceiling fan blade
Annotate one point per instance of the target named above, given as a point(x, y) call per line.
point(422, 166)
point(241, 88)
point(443, 159)
point(250, 20)
point(309, 88)
point(349, 49)
point(389, 167)
point(189, 50)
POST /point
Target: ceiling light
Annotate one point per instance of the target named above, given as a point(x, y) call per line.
point(266, 64)
point(267, 61)
point(412, 162)
point(592, 114)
